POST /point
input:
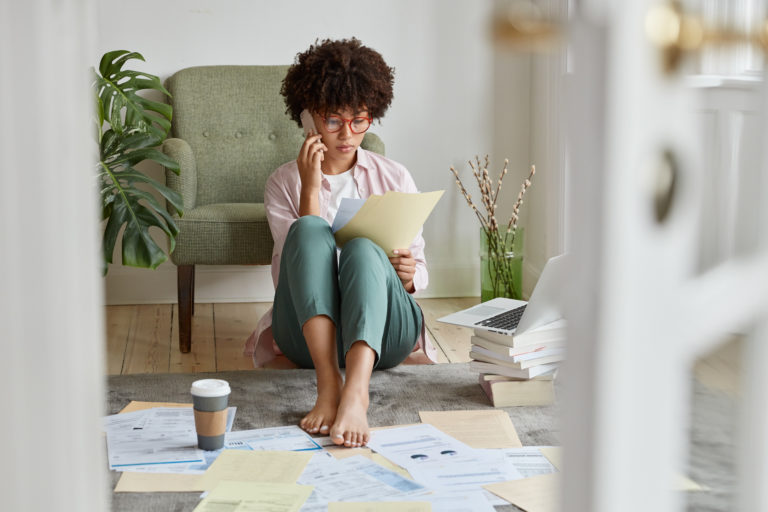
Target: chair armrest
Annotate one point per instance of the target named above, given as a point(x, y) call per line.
point(185, 183)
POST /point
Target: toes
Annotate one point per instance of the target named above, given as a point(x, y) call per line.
point(324, 429)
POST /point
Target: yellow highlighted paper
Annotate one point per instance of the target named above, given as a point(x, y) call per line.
point(140, 406)
point(479, 429)
point(539, 493)
point(237, 465)
point(255, 466)
point(249, 496)
point(391, 221)
point(554, 454)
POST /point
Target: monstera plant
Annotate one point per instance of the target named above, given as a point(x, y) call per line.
point(130, 127)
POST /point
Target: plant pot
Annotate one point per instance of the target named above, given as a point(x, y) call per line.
point(501, 265)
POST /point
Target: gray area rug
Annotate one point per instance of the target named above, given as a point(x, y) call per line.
point(270, 398)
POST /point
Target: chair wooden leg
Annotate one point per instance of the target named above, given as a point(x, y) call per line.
point(192, 291)
point(186, 291)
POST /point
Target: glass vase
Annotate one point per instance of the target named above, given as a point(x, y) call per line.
point(501, 265)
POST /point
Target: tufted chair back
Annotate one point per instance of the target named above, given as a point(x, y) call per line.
point(233, 118)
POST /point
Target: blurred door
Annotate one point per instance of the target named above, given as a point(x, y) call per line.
point(668, 228)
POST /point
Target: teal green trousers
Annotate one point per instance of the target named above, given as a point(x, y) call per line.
point(361, 294)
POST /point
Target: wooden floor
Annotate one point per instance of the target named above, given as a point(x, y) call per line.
point(145, 338)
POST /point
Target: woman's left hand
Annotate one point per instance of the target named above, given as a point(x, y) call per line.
point(405, 266)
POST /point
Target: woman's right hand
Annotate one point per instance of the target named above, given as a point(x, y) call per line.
point(310, 156)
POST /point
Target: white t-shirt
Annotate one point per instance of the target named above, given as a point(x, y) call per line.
point(342, 185)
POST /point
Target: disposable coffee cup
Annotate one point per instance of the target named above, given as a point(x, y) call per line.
point(210, 398)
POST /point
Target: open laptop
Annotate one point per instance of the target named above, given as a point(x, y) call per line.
point(510, 316)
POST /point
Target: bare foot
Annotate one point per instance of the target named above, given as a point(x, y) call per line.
point(323, 414)
point(351, 426)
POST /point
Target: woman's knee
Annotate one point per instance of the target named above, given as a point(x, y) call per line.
point(312, 229)
point(309, 225)
point(362, 250)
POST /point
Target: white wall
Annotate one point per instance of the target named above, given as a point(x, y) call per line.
point(442, 115)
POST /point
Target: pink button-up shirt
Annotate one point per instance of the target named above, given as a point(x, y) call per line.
point(372, 174)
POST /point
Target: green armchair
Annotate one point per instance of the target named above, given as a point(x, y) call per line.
point(229, 132)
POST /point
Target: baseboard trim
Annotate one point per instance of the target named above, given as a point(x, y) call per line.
point(124, 285)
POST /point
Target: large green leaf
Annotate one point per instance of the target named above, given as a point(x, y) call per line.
point(130, 129)
point(119, 103)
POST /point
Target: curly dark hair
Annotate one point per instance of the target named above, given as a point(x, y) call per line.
point(332, 75)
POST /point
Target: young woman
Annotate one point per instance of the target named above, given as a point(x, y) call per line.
point(354, 307)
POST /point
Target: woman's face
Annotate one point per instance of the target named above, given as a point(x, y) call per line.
point(341, 144)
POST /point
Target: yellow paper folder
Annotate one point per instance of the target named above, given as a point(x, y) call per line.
point(390, 221)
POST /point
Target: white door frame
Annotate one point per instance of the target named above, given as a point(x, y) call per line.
point(50, 283)
point(638, 311)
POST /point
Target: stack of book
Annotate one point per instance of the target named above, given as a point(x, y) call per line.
point(519, 369)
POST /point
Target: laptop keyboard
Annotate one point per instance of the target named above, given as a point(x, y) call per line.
point(507, 320)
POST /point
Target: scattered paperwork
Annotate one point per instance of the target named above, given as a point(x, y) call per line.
point(456, 461)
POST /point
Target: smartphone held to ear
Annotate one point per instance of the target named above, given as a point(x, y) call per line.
point(307, 122)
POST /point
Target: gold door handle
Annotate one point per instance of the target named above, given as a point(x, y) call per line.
point(521, 26)
point(677, 33)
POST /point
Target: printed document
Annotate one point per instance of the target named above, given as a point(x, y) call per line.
point(391, 220)
point(414, 445)
point(353, 479)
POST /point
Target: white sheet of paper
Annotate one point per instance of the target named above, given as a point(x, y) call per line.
point(141, 447)
point(125, 422)
point(413, 445)
point(347, 209)
point(465, 473)
point(290, 438)
point(170, 420)
point(529, 461)
point(353, 479)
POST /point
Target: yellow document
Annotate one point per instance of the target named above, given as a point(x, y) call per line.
point(159, 482)
point(248, 496)
point(238, 465)
point(554, 454)
point(478, 429)
point(539, 493)
point(380, 506)
point(140, 406)
point(255, 466)
point(391, 221)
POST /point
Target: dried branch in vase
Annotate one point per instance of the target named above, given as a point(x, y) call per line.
point(504, 265)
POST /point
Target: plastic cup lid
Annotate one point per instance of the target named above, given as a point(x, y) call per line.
point(210, 388)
